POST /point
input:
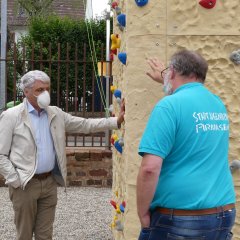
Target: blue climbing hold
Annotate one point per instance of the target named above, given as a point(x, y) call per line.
point(122, 19)
point(117, 94)
point(141, 3)
point(118, 147)
point(122, 208)
point(122, 57)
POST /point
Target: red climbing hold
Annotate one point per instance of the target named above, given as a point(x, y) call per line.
point(111, 57)
point(114, 204)
point(114, 51)
point(207, 3)
point(112, 141)
point(114, 4)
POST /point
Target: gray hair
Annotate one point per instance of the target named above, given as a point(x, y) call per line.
point(188, 63)
point(30, 77)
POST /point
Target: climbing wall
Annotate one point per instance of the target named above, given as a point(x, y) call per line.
point(160, 28)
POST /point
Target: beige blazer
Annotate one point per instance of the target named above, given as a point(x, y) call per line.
point(18, 149)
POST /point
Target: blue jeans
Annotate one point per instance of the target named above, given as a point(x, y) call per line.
point(205, 227)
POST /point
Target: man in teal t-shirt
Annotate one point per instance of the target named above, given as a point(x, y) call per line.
point(185, 172)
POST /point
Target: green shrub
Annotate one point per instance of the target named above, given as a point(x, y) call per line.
point(45, 36)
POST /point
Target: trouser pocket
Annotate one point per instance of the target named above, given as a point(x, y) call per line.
point(229, 236)
point(144, 234)
point(177, 237)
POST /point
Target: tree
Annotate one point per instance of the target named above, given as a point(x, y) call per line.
point(35, 8)
point(66, 33)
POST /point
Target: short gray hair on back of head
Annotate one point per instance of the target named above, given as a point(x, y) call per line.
point(187, 62)
point(30, 77)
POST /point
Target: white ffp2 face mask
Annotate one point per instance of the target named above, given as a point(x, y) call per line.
point(43, 99)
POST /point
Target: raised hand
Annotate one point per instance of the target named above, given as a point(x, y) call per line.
point(156, 67)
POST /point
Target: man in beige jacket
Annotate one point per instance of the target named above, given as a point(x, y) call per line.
point(33, 157)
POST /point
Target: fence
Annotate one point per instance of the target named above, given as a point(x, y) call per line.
point(74, 85)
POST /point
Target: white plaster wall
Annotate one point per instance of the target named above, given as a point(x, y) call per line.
point(19, 32)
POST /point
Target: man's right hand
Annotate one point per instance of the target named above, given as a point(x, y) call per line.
point(121, 113)
point(156, 66)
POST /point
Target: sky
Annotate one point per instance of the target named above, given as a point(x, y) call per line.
point(99, 6)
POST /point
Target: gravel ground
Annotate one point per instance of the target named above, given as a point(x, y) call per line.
point(82, 214)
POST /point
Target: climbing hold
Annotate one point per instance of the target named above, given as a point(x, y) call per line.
point(122, 57)
point(114, 4)
point(141, 3)
point(114, 204)
point(113, 88)
point(111, 57)
point(122, 208)
point(118, 146)
point(116, 42)
point(114, 51)
point(113, 225)
point(119, 226)
point(124, 204)
point(115, 137)
point(235, 56)
point(118, 209)
point(121, 142)
point(122, 19)
point(118, 10)
point(117, 93)
point(116, 193)
point(207, 3)
point(235, 164)
point(112, 141)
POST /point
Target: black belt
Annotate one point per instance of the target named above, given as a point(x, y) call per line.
point(183, 212)
point(42, 176)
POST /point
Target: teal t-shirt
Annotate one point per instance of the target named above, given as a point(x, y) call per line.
point(189, 130)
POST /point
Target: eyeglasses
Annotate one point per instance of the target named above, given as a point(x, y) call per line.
point(163, 72)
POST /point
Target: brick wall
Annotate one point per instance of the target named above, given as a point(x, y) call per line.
point(87, 168)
